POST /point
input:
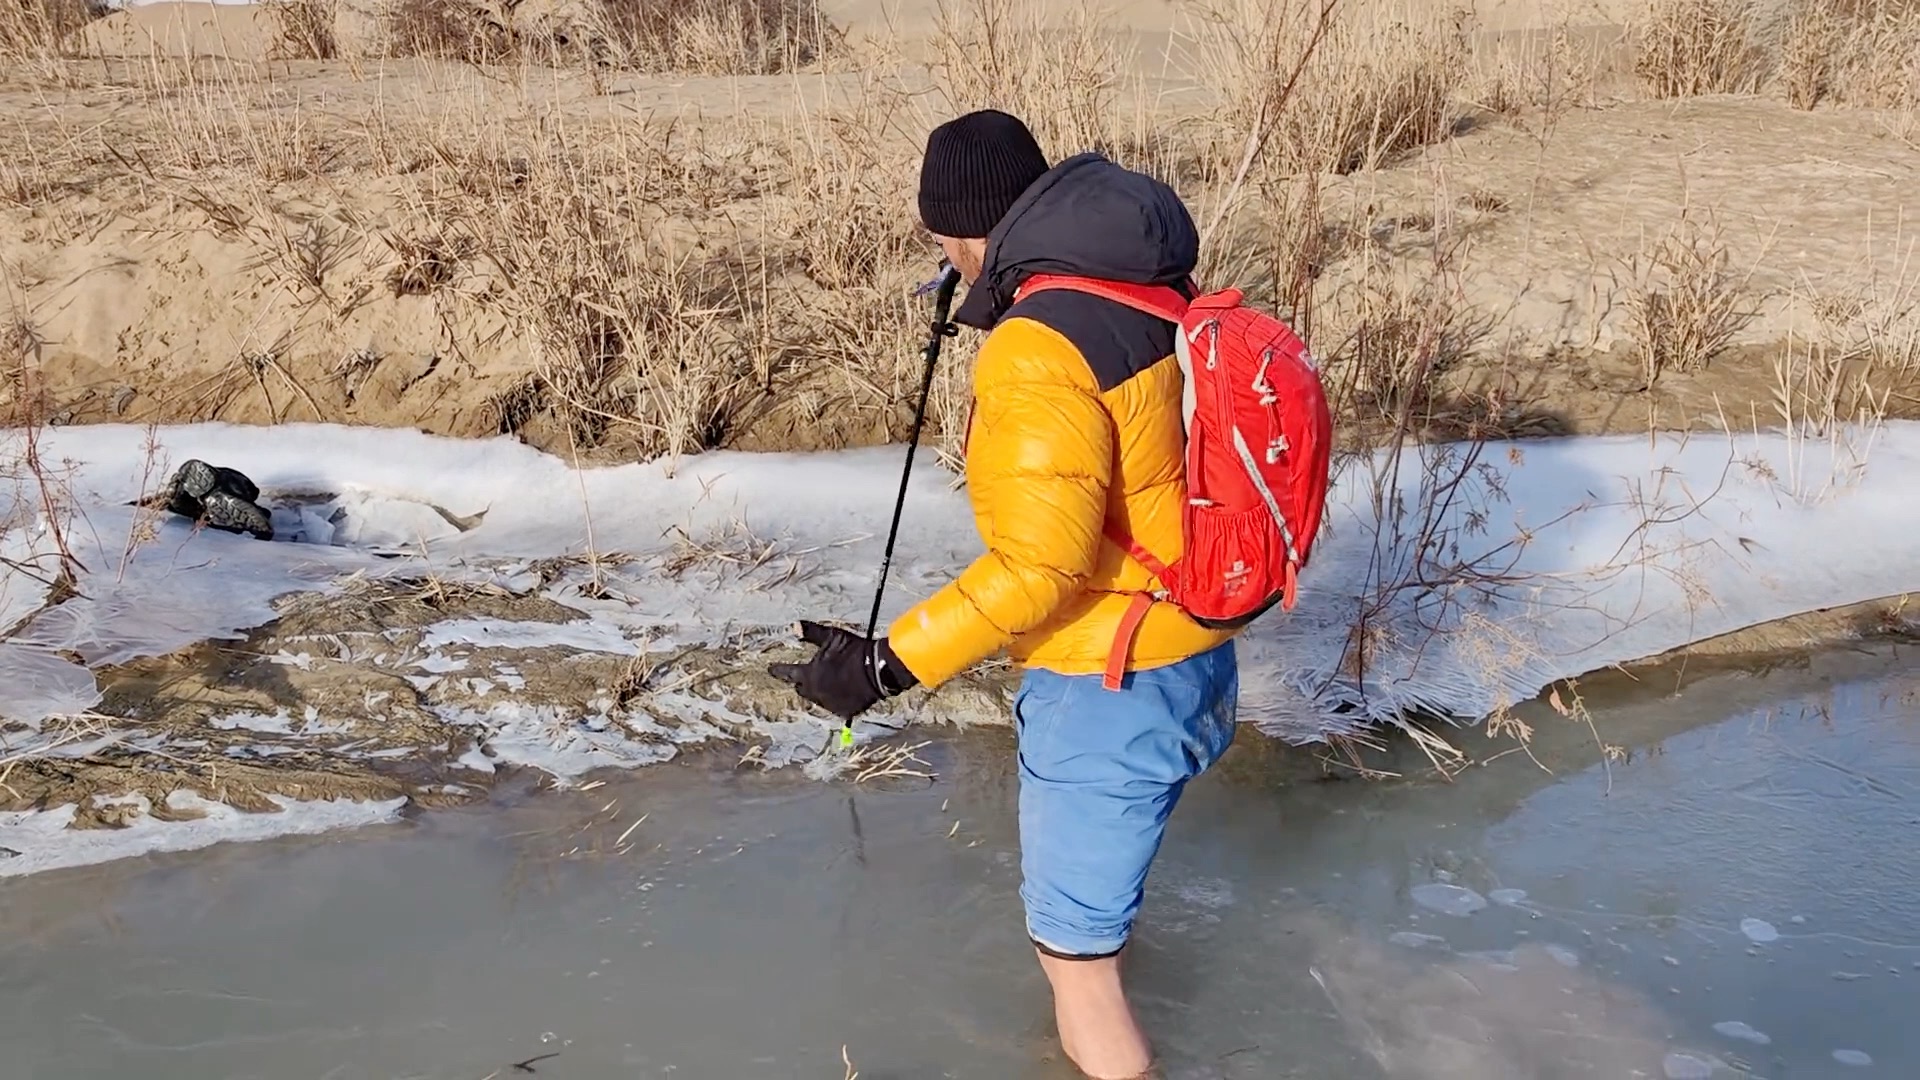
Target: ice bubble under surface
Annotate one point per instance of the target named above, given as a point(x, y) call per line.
point(1735, 1029)
point(1455, 900)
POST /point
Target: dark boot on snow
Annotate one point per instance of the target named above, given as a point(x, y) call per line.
point(219, 498)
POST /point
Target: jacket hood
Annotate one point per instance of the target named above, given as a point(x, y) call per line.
point(1088, 217)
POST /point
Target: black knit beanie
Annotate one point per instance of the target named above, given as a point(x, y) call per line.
point(975, 168)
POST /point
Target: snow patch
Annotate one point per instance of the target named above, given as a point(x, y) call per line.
point(277, 724)
point(564, 746)
point(583, 636)
point(1608, 550)
point(280, 723)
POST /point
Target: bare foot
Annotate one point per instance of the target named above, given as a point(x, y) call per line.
point(1097, 1028)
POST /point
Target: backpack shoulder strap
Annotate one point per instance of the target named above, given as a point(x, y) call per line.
point(1159, 301)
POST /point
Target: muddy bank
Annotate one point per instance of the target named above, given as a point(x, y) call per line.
point(437, 691)
point(433, 691)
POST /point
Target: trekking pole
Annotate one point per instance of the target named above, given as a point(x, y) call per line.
point(943, 288)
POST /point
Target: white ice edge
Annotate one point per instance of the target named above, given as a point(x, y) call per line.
point(42, 841)
point(1633, 546)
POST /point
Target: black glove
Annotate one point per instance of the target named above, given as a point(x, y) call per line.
point(849, 675)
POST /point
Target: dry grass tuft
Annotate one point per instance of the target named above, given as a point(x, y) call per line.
point(732, 545)
point(1817, 388)
point(633, 337)
point(424, 264)
point(1863, 53)
point(706, 37)
point(1694, 47)
point(711, 37)
point(1865, 357)
point(1377, 83)
point(1808, 51)
point(1834, 398)
point(1409, 329)
point(1550, 76)
point(54, 733)
point(848, 181)
point(306, 29)
point(475, 33)
point(1686, 303)
point(1410, 334)
point(1061, 72)
point(37, 30)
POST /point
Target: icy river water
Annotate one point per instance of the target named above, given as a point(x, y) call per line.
point(1736, 891)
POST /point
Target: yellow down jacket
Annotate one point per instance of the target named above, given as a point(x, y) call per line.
point(1076, 434)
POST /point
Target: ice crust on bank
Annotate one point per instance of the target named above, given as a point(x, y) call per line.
point(1577, 553)
point(40, 840)
point(1586, 552)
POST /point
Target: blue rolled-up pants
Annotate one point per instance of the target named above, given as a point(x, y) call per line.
point(1100, 773)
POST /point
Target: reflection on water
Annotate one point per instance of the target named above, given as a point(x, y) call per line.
point(1737, 893)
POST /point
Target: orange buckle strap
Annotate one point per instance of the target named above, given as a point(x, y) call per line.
point(1123, 639)
point(1290, 591)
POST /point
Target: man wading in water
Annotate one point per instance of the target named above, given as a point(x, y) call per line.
point(1077, 435)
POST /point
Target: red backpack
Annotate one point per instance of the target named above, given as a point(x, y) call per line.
point(1259, 446)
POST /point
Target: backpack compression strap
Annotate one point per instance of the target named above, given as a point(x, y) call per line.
point(1116, 672)
point(1136, 614)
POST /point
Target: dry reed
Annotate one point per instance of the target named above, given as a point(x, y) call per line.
point(1864, 53)
point(1549, 75)
point(307, 29)
point(39, 30)
point(1693, 47)
point(1062, 71)
point(1378, 82)
point(709, 37)
point(713, 37)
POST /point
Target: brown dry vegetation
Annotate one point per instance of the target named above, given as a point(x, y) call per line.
point(716, 37)
point(494, 217)
point(1856, 52)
